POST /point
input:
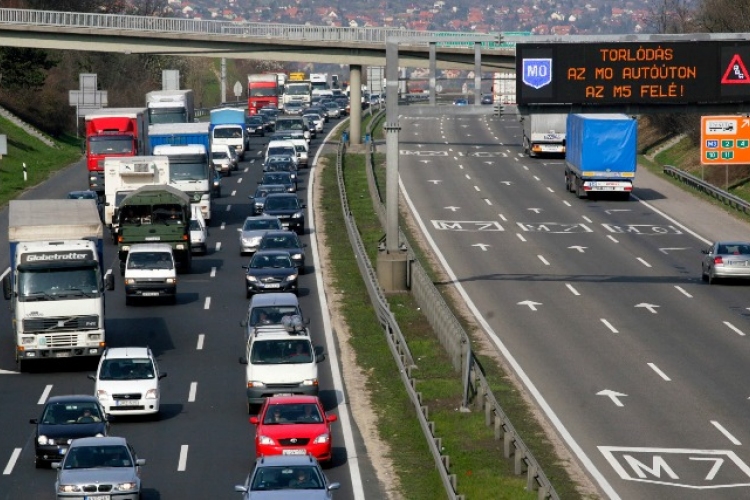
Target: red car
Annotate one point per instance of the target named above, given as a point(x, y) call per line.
point(293, 425)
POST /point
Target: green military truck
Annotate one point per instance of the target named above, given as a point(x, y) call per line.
point(155, 214)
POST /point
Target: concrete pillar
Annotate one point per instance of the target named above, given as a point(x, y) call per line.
point(477, 73)
point(433, 72)
point(355, 100)
point(391, 142)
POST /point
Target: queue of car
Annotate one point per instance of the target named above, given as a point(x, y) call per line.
point(73, 432)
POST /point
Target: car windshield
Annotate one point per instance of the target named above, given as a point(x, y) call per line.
point(281, 203)
point(306, 413)
point(287, 351)
point(305, 477)
point(271, 261)
point(266, 223)
point(734, 249)
point(279, 242)
point(272, 315)
point(71, 413)
point(90, 457)
point(277, 178)
point(126, 369)
point(150, 260)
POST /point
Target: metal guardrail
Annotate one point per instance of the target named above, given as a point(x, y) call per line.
point(230, 28)
point(454, 340)
point(727, 198)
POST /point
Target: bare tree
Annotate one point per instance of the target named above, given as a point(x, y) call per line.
point(724, 16)
point(671, 16)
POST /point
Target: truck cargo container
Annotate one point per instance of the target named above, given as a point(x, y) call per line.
point(544, 133)
point(170, 106)
point(227, 126)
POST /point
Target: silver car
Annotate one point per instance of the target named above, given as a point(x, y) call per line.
point(285, 477)
point(253, 230)
point(99, 468)
point(726, 259)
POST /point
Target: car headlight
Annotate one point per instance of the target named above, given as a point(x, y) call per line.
point(255, 383)
point(171, 281)
point(125, 248)
point(129, 281)
point(291, 277)
point(151, 394)
point(129, 486)
point(310, 381)
point(298, 215)
point(27, 340)
point(179, 246)
point(265, 440)
point(322, 439)
point(69, 488)
point(251, 279)
point(102, 395)
point(44, 440)
point(296, 256)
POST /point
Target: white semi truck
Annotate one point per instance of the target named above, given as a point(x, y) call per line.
point(544, 133)
point(170, 106)
point(56, 282)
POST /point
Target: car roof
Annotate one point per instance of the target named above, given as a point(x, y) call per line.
point(295, 399)
point(273, 299)
point(291, 460)
point(73, 398)
point(127, 352)
point(266, 187)
point(99, 441)
point(149, 247)
point(279, 232)
point(281, 195)
point(270, 251)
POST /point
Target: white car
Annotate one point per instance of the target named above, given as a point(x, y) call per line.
point(127, 381)
point(198, 231)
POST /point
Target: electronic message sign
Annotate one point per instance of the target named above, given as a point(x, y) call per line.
point(680, 72)
point(725, 140)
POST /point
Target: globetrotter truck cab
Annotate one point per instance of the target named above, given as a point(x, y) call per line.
point(56, 284)
point(280, 360)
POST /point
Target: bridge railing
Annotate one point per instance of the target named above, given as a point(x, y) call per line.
point(214, 27)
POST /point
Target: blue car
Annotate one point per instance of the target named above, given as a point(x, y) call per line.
point(461, 102)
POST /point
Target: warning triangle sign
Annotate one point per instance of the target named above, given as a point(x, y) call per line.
point(736, 72)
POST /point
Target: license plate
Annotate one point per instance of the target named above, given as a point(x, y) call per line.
point(273, 285)
point(128, 403)
point(97, 497)
point(150, 294)
point(283, 394)
point(153, 238)
point(293, 452)
point(62, 354)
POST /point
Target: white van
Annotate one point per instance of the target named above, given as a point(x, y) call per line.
point(150, 272)
point(281, 148)
point(223, 159)
point(198, 231)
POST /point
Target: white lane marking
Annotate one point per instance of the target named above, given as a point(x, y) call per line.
point(233, 193)
point(218, 246)
point(223, 225)
point(520, 237)
point(681, 290)
point(609, 325)
point(246, 169)
point(550, 190)
point(182, 462)
point(643, 262)
point(525, 167)
point(5, 273)
point(502, 217)
point(567, 203)
point(572, 289)
point(659, 372)
point(45, 395)
point(193, 390)
point(358, 492)
point(536, 178)
point(726, 433)
point(229, 207)
point(213, 272)
point(488, 201)
point(476, 188)
point(468, 176)
point(734, 328)
point(12, 461)
point(201, 339)
point(612, 238)
point(670, 219)
point(207, 303)
point(587, 219)
point(544, 261)
point(239, 181)
point(461, 167)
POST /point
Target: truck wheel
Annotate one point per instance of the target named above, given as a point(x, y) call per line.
point(580, 193)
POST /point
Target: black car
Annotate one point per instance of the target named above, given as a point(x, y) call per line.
point(271, 113)
point(487, 99)
point(63, 419)
point(258, 199)
point(288, 208)
point(288, 241)
point(270, 271)
point(255, 125)
point(216, 183)
point(284, 178)
point(281, 164)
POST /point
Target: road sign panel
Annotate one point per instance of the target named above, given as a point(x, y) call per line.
point(725, 139)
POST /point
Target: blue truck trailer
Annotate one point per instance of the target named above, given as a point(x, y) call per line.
point(227, 126)
point(601, 154)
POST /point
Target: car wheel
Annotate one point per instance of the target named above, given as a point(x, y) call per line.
point(711, 278)
point(248, 294)
point(38, 463)
point(302, 269)
point(704, 276)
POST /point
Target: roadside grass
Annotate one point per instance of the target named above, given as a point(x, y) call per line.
point(41, 160)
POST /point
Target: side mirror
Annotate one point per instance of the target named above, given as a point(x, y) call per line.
point(254, 420)
point(91, 377)
point(140, 461)
point(33, 421)
point(109, 281)
point(331, 418)
point(55, 465)
point(162, 375)
point(7, 289)
point(706, 251)
point(243, 360)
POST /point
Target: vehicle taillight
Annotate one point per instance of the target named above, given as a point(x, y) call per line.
point(718, 260)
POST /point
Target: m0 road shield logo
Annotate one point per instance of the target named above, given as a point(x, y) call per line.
point(537, 73)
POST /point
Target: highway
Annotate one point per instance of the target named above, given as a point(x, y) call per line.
point(203, 443)
point(598, 305)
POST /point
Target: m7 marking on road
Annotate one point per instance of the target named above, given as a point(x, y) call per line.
point(554, 227)
point(408, 152)
point(467, 225)
point(643, 229)
point(681, 467)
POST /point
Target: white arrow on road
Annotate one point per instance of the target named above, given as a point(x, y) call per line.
point(650, 307)
point(665, 250)
point(578, 247)
point(507, 183)
point(532, 305)
point(535, 210)
point(483, 246)
point(453, 209)
point(617, 210)
point(613, 395)
point(435, 181)
point(489, 162)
